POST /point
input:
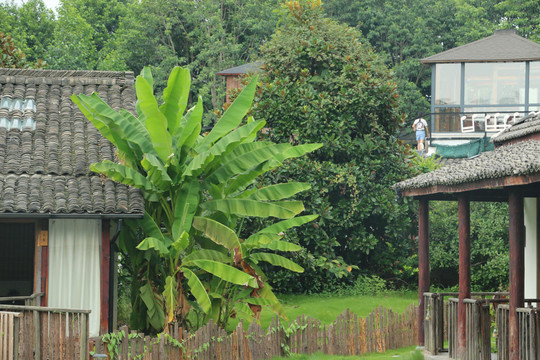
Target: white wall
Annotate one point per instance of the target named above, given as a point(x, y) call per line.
point(531, 239)
point(74, 267)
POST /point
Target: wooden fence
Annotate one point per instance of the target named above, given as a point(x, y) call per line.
point(502, 315)
point(49, 333)
point(348, 335)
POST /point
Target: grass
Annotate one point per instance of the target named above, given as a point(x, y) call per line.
point(408, 353)
point(327, 308)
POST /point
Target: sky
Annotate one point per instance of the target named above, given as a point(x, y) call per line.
point(51, 4)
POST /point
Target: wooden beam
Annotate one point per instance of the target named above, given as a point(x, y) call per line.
point(517, 257)
point(105, 278)
point(464, 219)
point(423, 263)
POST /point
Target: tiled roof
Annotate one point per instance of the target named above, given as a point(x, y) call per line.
point(47, 145)
point(527, 125)
point(242, 69)
point(503, 45)
point(519, 159)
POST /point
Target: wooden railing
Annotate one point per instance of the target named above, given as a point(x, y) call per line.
point(453, 304)
point(529, 333)
point(440, 323)
point(50, 333)
point(31, 300)
point(478, 329)
point(433, 322)
point(9, 335)
point(502, 314)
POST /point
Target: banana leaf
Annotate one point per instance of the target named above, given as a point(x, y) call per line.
point(232, 116)
point(198, 290)
point(226, 272)
point(175, 97)
point(287, 224)
point(279, 191)
point(248, 207)
point(217, 232)
point(277, 260)
point(156, 122)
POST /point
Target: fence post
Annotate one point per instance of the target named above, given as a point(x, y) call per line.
point(37, 335)
point(84, 336)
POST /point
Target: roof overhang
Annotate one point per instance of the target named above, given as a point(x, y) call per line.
point(485, 190)
point(69, 216)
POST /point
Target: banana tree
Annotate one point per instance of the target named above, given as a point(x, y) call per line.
point(196, 188)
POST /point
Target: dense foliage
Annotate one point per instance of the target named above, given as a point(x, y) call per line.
point(489, 245)
point(191, 266)
point(321, 80)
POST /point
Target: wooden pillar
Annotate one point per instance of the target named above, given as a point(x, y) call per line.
point(105, 279)
point(423, 263)
point(517, 257)
point(464, 270)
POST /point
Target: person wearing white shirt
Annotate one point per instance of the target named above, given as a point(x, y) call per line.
point(421, 129)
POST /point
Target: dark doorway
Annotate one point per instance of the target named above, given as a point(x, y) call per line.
point(17, 248)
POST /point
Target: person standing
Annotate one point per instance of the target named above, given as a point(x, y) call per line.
point(421, 129)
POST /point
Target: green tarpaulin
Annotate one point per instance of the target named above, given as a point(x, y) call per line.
point(472, 148)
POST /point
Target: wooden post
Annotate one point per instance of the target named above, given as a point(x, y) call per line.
point(517, 256)
point(105, 278)
point(423, 263)
point(464, 270)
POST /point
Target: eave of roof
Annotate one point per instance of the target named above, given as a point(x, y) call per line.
point(526, 126)
point(503, 45)
point(507, 166)
point(242, 69)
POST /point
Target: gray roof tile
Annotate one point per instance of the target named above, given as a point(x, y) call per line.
point(527, 125)
point(503, 45)
point(45, 161)
point(520, 159)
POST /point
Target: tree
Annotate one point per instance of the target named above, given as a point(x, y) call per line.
point(322, 82)
point(197, 191)
point(12, 57)
point(73, 44)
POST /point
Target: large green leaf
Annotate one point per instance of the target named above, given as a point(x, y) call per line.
point(153, 303)
point(279, 191)
point(205, 254)
point(156, 172)
point(186, 204)
point(169, 294)
point(198, 290)
point(226, 272)
point(248, 207)
point(281, 246)
point(175, 97)
point(155, 244)
point(101, 115)
point(189, 129)
point(150, 227)
point(266, 293)
point(156, 122)
point(232, 117)
point(125, 175)
point(217, 232)
point(238, 162)
point(259, 240)
point(277, 260)
point(287, 224)
point(223, 146)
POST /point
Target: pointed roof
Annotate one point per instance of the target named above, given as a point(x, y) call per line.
point(503, 45)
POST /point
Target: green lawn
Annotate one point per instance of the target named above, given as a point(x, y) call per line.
point(407, 353)
point(327, 308)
